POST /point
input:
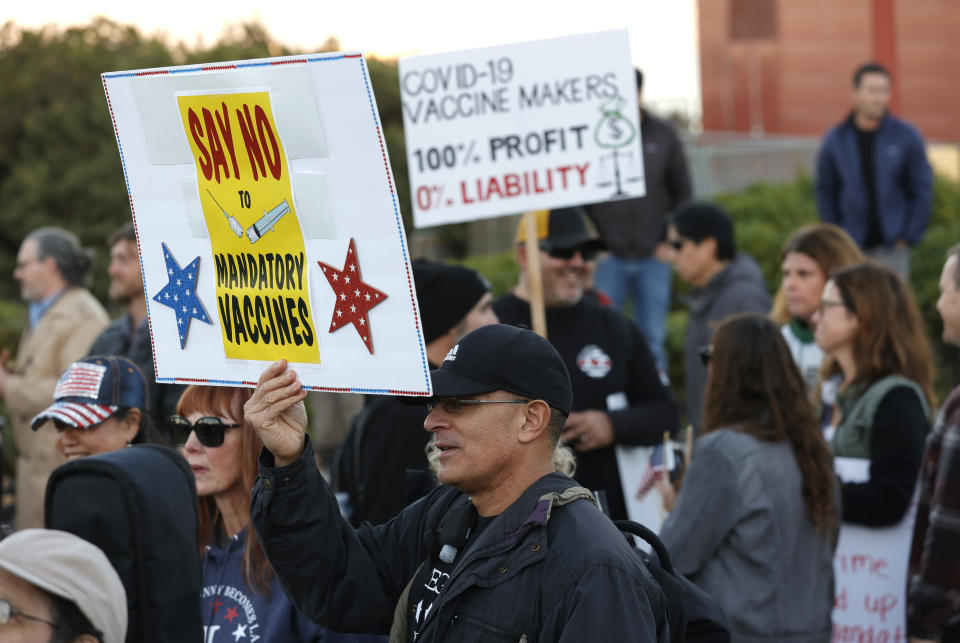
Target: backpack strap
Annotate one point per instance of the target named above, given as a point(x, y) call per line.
point(558, 499)
point(398, 630)
point(648, 536)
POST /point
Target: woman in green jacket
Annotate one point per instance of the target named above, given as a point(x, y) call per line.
point(879, 365)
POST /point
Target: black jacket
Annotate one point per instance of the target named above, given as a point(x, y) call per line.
point(540, 570)
point(611, 369)
point(385, 440)
point(119, 339)
point(633, 227)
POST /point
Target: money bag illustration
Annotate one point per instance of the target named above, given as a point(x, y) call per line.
point(613, 132)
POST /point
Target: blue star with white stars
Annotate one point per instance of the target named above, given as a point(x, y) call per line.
point(180, 293)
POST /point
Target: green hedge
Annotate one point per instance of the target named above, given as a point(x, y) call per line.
point(765, 214)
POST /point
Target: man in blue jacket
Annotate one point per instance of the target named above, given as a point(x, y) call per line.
point(505, 549)
point(873, 178)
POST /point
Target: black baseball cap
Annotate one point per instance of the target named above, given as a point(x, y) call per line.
point(562, 229)
point(507, 358)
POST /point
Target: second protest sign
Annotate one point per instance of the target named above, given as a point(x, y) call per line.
point(521, 127)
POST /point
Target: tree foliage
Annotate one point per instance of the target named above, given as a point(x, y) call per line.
point(59, 163)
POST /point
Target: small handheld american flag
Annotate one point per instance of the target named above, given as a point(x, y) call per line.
point(662, 459)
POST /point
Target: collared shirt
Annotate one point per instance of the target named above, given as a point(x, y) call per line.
point(37, 309)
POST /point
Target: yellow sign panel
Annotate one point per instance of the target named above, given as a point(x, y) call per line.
point(262, 274)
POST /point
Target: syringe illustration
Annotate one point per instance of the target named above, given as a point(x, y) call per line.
point(267, 221)
point(234, 224)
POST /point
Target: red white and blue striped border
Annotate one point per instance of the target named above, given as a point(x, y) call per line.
point(77, 414)
point(352, 57)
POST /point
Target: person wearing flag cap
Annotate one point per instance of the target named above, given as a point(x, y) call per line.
point(386, 438)
point(99, 405)
point(64, 319)
point(619, 396)
point(57, 587)
point(506, 547)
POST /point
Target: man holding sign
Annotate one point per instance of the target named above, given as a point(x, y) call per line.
point(619, 397)
point(506, 547)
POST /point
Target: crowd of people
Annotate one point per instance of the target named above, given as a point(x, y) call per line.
point(485, 513)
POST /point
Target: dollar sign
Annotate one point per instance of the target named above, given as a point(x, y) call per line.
point(614, 126)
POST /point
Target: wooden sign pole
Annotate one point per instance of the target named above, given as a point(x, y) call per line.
point(538, 315)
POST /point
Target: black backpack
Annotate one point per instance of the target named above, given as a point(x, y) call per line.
point(693, 614)
point(139, 505)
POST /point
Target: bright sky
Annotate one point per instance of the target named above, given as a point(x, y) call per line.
point(663, 33)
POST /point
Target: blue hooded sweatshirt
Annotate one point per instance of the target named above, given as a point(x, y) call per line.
point(234, 612)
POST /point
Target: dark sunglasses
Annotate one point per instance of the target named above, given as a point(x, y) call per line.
point(589, 252)
point(209, 430)
point(706, 352)
point(453, 404)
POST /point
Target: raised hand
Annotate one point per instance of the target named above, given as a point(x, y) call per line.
point(276, 412)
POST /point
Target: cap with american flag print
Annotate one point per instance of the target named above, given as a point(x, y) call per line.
point(93, 389)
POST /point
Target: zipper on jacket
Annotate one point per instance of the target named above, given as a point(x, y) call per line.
point(487, 627)
point(470, 561)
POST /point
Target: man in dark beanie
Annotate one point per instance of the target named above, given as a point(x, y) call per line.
point(725, 282)
point(386, 438)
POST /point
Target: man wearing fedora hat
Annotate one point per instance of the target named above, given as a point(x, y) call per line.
point(505, 547)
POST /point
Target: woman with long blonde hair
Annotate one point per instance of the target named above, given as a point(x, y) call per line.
point(808, 257)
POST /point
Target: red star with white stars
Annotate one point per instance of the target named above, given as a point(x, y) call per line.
point(354, 297)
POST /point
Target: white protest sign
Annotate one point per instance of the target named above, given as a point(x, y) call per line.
point(268, 224)
point(521, 127)
point(643, 501)
point(870, 566)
